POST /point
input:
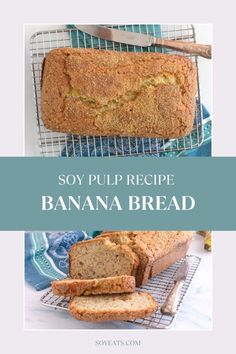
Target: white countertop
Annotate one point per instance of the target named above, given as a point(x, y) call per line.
point(194, 314)
point(203, 35)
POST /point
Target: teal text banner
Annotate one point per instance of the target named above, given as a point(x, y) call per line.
point(117, 193)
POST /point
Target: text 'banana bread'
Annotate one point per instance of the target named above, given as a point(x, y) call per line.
point(107, 93)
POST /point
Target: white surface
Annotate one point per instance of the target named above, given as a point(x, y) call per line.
point(203, 34)
point(31, 136)
point(194, 314)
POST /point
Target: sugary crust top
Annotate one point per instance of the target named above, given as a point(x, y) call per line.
point(154, 243)
point(98, 92)
point(160, 243)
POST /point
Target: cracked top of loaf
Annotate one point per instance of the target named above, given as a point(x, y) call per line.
point(107, 93)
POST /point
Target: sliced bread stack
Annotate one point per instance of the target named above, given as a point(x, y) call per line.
point(105, 299)
point(102, 283)
point(103, 272)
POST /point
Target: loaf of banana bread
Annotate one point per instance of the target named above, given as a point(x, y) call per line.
point(156, 250)
point(107, 93)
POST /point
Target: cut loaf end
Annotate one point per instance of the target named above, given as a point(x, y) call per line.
point(101, 258)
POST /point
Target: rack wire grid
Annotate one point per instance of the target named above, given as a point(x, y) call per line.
point(158, 286)
point(58, 144)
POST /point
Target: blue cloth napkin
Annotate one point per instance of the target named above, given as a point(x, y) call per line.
point(46, 255)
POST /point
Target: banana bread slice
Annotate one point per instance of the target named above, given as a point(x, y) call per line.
point(101, 258)
point(78, 287)
point(145, 257)
point(113, 307)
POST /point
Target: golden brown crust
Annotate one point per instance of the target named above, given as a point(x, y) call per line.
point(145, 305)
point(98, 92)
point(156, 250)
point(167, 260)
point(78, 287)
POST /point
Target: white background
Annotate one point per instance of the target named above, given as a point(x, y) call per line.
point(222, 15)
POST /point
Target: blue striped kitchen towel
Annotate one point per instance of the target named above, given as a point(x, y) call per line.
point(46, 255)
point(84, 40)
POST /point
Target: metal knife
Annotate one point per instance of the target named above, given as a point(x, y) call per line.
point(172, 300)
point(145, 40)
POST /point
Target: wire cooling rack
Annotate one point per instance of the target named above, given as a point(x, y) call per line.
point(159, 287)
point(57, 144)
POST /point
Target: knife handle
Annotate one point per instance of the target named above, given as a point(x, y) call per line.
point(171, 303)
point(203, 50)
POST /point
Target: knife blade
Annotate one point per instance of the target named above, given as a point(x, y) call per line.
point(115, 35)
point(171, 304)
point(182, 272)
point(144, 40)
